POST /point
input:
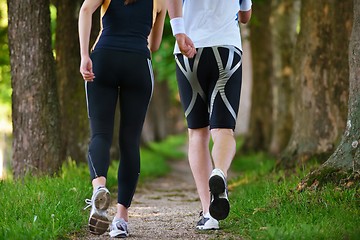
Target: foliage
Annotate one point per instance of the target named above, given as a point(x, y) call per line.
point(52, 207)
point(53, 12)
point(265, 205)
point(171, 147)
point(5, 81)
point(163, 60)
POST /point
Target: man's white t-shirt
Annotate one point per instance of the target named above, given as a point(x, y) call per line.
point(212, 22)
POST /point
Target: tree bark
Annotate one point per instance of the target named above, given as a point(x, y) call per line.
point(260, 128)
point(284, 21)
point(35, 109)
point(75, 123)
point(321, 80)
point(344, 163)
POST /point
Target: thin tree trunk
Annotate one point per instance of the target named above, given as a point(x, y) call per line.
point(345, 160)
point(75, 123)
point(321, 80)
point(259, 135)
point(285, 18)
point(35, 110)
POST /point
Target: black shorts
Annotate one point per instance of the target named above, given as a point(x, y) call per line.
point(210, 85)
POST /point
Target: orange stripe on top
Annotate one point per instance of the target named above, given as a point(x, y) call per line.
point(155, 11)
point(104, 8)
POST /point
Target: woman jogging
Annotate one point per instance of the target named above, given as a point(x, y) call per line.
point(208, 56)
point(118, 69)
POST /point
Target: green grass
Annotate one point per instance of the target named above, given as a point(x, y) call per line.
point(52, 207)
point(265, 205)
point(43, 208)
point(171, 148)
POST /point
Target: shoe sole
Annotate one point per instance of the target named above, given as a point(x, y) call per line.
point(216, 184)
point(98, 224)
point(102, 201)
point(204, 228)
point(118, 234)
point(219, 207)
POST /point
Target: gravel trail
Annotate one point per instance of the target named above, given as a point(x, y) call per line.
point(165, 208)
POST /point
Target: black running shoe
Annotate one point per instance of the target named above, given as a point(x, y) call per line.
point(219, 205)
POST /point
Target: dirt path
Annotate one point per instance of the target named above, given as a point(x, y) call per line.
point(166, 208)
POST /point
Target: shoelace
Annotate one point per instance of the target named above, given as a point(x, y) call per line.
point(89, 203)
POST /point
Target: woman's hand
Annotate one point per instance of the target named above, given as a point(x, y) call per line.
point(86, 69)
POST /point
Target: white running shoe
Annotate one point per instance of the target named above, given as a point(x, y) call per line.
point(119, 228)
point(219, 205)
point(99, 202)
point(207, 222)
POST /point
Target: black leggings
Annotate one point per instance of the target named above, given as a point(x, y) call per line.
point(128, 77)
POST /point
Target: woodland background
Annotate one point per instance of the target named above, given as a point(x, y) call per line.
point(300, 97)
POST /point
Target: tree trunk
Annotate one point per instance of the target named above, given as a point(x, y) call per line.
point(75, 123)
point(321, 80)
point(35, 110)
point(284, 20)
point(345, 160)
point(259, 135)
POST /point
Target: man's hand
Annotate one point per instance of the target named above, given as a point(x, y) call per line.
point(185, 44)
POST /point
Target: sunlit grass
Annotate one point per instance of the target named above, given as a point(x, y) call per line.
point(52, 207)
point(172, 148)
point(265, 205)
point(42, 208)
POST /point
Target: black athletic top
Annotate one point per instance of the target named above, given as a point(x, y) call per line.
point(125, 27)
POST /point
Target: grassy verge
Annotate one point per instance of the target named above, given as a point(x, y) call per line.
point(52, 207)
point(265, 205)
